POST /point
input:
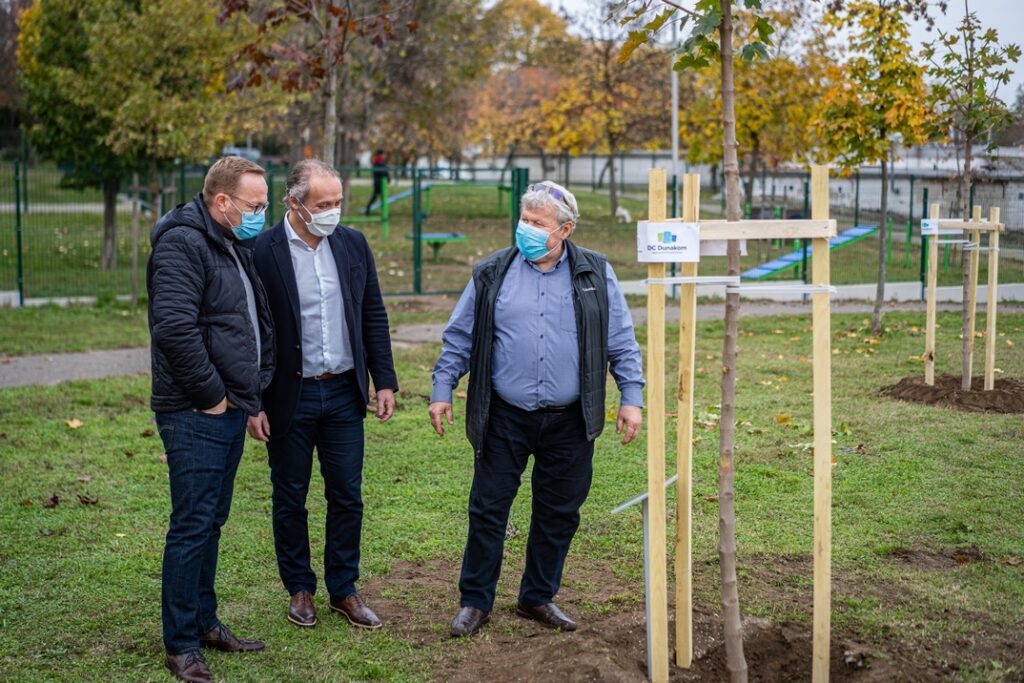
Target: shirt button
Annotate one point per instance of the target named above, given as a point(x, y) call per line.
point(298, 347)
point(542, 293)
point(298, 373)
point(542, 336)
point(542, 315)
point(541, 359)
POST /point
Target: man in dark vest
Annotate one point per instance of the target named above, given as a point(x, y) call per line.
point(537, 327)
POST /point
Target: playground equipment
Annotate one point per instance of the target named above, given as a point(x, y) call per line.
point(660, 241)
point(932, 229)
point(795, 257)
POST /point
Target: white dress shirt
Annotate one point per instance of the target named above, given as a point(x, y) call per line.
point(325, 343)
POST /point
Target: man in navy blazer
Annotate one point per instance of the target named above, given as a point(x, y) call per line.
point(331, 332)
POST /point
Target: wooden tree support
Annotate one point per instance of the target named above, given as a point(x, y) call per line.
point(819, 228)
point(976, 226)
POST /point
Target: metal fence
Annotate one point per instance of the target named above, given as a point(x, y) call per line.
point(433, 223)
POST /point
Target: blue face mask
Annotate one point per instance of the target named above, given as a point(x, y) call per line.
point(251, 225)
point(532, 242)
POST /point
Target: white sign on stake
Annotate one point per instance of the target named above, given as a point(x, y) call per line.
point(930, 228)
point(667, 242)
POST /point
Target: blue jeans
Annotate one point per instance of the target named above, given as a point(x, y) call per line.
point(562, 472)
point(328, 417)
point(203, 452)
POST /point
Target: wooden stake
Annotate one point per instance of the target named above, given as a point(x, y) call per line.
point(658, 580)
point(972, 296)
point(929, 328)
point(822, 362)
point(993, 299)
point(684, 439)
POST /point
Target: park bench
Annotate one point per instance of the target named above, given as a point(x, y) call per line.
point(436, 240)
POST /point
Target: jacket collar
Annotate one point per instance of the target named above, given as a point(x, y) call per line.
point(214, 230)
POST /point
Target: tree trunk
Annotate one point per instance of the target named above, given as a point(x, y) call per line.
point(967, 345)
point(883, 236)
point(331, 100)
point(734, 659)
point(613, 190)
point(604, 169)
point(108, 258)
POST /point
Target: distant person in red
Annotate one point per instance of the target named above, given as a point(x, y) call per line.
point(380, 174)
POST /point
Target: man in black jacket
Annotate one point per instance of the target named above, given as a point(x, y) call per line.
point(212, 355)
point(331, 331)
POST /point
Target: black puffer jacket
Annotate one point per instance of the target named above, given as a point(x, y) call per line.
point(203, 345)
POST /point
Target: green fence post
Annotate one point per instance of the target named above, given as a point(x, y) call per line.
point(924, 243)
point(910, 225)
point(417, 233)
point(568, 160)
point(17, 233)
point(674, 189)
point(426, 195)
point(856, 201)
point(593, 173)
point(181, 184)
point(622, 172)
point(385, 212)
point(888, 242)
point(24, 168)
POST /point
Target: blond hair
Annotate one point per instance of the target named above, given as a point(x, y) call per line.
point(223, 176)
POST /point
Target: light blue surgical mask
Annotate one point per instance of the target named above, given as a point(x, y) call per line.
point(252, 224)
point(532, 242)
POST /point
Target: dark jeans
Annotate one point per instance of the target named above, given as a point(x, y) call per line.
point(562, 469)
point(377, 189)
point(328, 417)
point(203, 452)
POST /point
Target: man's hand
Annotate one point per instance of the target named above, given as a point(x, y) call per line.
point(385, 404)
point(218, 409)
point(437, 410)
point(630, 419)
point(259, 427)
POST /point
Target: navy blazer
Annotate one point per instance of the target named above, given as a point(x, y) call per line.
point(365, 318)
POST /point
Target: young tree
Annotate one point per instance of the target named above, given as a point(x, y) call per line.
point(711, 30)
point(878, 101)
point(115, 84)
point(967, 78)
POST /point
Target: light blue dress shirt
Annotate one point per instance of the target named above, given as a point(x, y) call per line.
point(325, 343)
point(535, 360)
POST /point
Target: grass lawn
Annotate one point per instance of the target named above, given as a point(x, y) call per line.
point(914, 487)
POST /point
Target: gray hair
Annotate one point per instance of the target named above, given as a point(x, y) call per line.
point(545, 195)
point(297, 184)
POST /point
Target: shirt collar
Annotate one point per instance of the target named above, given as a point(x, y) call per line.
point(565, 254)
point(293, 236)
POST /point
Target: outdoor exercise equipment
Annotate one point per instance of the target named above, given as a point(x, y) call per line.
point(661, 240)
point(933, 229)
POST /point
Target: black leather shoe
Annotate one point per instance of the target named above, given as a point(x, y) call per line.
point(468, 621)
point(221, 638)
point(356, 611)
point(547, 615)
point(188, 666)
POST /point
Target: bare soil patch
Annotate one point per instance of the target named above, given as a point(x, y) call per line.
point(417, 602)
point(1007, 396)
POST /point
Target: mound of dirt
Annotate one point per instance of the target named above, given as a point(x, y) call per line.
point(1006, 397)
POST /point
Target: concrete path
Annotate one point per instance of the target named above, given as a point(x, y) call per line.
point(61, 367)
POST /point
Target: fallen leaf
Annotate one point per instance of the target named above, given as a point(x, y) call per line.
point(783, 378)
point(461, 394)
point(26, 503)
point(795, 338)
point(87, 500)
point(52, 501)
point(778, 332)
point(1010, 560)
point(1009, 342)
point(7, 361)
point(128, 453)
point(3, 435)
point(147, 433)
point(74, 423)
point(46, 533)
point(84, 478)
point(783, 419)
point(163, 458)
point(120, 535)
point(711, 498)
point(511, 531)
point(962, 559)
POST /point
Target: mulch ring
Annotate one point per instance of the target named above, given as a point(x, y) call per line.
point(418, 599)
point(1007, 396)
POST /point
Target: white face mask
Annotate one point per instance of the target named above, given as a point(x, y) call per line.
point(322, 224)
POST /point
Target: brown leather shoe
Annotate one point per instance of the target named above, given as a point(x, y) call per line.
point(357, 613)
point(547, 615)
point(469, 620)
point(188, 666)
point(301, 610)
point(221, 638)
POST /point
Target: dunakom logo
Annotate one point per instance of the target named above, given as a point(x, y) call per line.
point(666, 237)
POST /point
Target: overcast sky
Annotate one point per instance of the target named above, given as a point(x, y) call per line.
point(1003, 15)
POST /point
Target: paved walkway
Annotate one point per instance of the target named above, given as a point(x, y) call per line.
point(61, 367)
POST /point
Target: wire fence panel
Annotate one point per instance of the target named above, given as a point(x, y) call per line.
point(462, 214)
